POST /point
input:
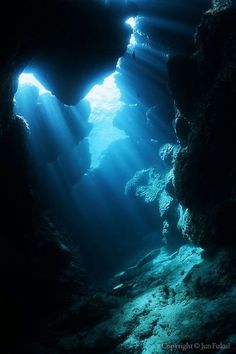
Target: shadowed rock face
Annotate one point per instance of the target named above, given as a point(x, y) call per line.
point(82, 44)
point(67, 43)
point(204, 90)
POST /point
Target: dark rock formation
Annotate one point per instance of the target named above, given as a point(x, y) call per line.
point(68, 44)
point(204, 90)
point(164, 28)
point(170, 25)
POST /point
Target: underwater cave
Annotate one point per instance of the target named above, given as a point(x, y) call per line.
point(118, 176)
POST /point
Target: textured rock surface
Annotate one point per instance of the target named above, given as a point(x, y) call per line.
point(204, 90)
point(146, 184)
point(166, 299)
point(38, 274)
point(155, 188)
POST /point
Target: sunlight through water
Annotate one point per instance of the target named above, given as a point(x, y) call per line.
point(105, 101)
point(30, 79)
point(131, 21)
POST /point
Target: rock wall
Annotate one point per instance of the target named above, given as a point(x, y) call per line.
point(38, 273)
point(204, 88)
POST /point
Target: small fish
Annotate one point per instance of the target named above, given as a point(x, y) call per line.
point(133, 55)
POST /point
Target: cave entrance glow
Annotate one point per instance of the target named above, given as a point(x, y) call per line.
point(105, 102)
point(30, 79)
point(84, 156)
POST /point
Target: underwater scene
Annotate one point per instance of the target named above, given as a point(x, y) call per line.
point(118, 177)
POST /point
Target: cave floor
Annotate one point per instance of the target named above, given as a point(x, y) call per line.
point(178, 302)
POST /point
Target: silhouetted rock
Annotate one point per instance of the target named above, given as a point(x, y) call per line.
point(205, 168)
point(69, 45)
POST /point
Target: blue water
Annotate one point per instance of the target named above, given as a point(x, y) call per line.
point(84, 155)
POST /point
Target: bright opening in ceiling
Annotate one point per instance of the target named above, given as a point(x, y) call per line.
point(105, 101)
point(30, 79)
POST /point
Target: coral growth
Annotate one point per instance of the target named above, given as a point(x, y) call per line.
point(146, 184)
point(157, 191)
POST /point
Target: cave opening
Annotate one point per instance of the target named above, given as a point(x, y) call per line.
point(104, 167)
point(84, 157)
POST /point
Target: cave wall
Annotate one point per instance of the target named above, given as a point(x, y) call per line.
point(67, 44)
point(203, 86)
